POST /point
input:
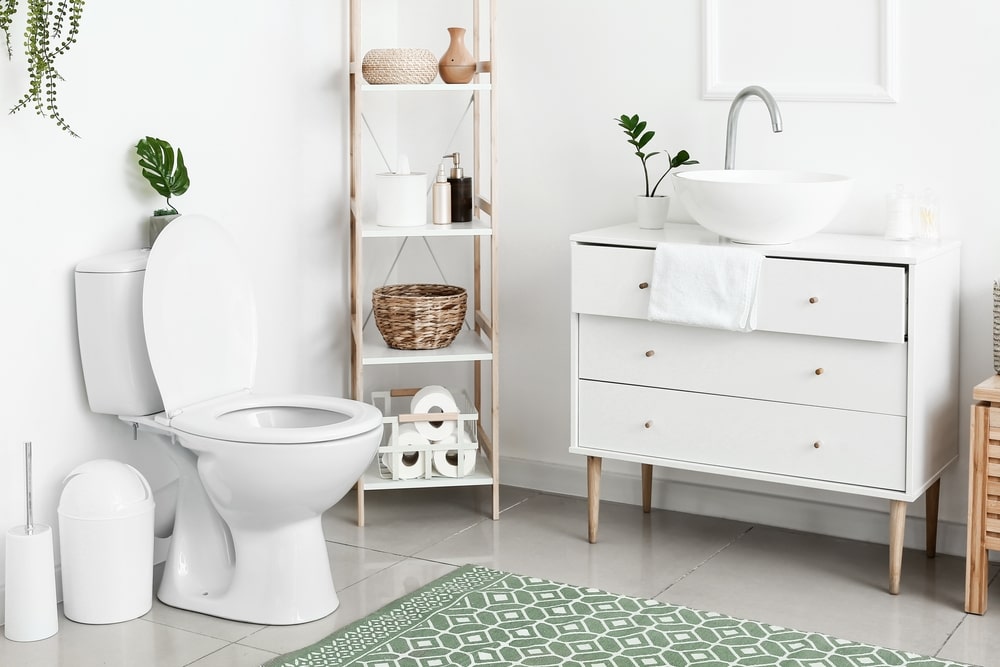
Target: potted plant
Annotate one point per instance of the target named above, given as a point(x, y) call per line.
point(651, 209)
point(51, 27)
point(167, 175)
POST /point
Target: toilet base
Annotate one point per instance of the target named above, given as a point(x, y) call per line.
point(281, 577)
point(277, 576)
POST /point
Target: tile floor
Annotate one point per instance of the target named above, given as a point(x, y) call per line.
point(786, 578)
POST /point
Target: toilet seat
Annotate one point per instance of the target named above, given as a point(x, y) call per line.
point(200, 326)
point(199, 315)
point(278, 419)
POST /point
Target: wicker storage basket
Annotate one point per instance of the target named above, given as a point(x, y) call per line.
point(419, 317)
point(381, 66)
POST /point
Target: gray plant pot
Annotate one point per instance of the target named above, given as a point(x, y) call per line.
point(156, 225)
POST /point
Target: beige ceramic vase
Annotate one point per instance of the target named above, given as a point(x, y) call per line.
point(457, 65)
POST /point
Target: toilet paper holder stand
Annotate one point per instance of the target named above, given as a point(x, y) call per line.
point(396, 415)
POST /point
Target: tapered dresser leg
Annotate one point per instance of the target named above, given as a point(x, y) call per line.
point(897, 525)
point(361, 503)
point(647, 487)
point(593, 496)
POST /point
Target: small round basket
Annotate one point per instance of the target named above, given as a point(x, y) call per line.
point(384, 66)
point(419, 317)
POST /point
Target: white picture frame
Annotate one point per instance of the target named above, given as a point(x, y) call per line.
point(722, 69)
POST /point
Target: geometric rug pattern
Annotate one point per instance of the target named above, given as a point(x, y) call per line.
point(477, 616)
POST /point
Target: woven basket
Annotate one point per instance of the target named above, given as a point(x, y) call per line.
point(380, 66)
point(996, 326)
point(419, 317)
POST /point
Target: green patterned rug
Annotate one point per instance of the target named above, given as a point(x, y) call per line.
point(479, 616)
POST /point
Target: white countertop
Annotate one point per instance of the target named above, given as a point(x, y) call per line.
point(837, 247)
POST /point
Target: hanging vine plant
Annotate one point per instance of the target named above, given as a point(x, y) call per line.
point(50, 30)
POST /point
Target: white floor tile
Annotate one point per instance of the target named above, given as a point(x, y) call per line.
point(409, 520)
point(807, 582)
point(137, 642)
point(837, 587)
point(355, 602)
point(235, 655)
point(546, 536)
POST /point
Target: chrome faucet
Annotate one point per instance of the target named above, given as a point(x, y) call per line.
point(734, 115)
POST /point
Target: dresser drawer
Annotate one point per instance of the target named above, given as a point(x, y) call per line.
point(609, 280)
point(818, 298)
point(830, 372)
point(739, 434)
point(843, 300)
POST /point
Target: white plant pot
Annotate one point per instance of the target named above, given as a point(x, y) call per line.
point(651, 212)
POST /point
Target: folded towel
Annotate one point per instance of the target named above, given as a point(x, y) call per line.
point(705, 286)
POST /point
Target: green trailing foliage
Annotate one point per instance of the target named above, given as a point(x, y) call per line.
point(639, 137)
point(7, 10)
point(165, 172)
point(51, 28)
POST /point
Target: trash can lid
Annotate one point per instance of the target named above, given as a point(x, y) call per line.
point(105, 489)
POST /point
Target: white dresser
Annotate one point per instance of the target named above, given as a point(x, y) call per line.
point(849, 382)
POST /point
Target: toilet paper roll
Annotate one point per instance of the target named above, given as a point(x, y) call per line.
point(431, 399)
point(401, 199)
point(409, 464)
point(30, 584)
point(446, 462)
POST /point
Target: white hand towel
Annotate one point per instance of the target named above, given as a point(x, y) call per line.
point(705, 286)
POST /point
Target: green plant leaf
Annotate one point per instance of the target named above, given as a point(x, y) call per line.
point(156, 159)
point(182, 182)
point(646, 138)
point(639, 137)
point(682, 158)
point(45, 39)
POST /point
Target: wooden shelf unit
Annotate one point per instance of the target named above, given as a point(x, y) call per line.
point(477, 344)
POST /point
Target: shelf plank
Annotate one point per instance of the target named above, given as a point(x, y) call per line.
point(373, 481)
point(422, 87)
point(474, 228)
point(466, 347)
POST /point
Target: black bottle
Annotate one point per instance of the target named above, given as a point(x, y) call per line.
point(461, 191)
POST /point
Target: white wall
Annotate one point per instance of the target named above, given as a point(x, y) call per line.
point(256, 96)
point(257, 100)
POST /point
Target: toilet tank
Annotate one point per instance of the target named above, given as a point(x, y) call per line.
point(116, 366)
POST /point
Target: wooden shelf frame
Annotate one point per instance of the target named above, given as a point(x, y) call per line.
point(480, 346)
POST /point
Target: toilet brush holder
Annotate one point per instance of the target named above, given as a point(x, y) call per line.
point(29, 577)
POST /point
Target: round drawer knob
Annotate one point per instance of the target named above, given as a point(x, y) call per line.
point(648, 424)
point(817, 444)
point(819, 371)
point(650, 353)
point(814, 299)
point(643, 285)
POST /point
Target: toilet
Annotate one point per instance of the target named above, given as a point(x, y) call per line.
point(168, 343)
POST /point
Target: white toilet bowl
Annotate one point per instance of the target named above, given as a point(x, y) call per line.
point(256, 471)
point(248, 541)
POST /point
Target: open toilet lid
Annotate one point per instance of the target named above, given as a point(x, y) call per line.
point(199, 314)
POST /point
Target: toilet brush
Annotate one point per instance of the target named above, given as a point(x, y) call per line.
point(29, 578)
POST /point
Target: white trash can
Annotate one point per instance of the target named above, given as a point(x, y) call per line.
point(106, 543)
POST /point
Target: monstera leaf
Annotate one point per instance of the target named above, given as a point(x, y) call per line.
point(167, 175)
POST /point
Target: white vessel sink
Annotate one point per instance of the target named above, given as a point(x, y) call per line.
point(761, 206)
